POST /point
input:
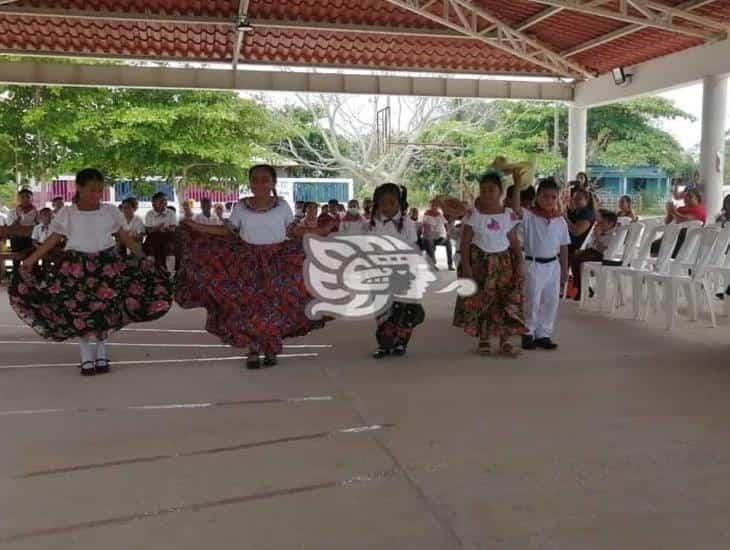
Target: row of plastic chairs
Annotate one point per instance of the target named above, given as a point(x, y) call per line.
point(700, 268)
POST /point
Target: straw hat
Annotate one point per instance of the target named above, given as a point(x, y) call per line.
point(451, 206)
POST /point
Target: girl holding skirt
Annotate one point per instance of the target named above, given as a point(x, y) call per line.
point(491, 256)
point(388, 217)
point(92, 290)
point(250, 282)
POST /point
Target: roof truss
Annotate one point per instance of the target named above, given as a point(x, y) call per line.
point(467, 18)
point(627, 30)
point(647, 13)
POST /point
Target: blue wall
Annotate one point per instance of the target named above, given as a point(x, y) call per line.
point(321, 192)
point(630, 181)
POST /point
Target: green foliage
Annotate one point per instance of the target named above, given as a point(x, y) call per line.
point(205, 138)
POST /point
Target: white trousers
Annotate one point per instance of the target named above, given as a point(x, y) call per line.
point(543, 297)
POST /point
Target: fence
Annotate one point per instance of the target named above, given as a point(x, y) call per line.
point(642, 202)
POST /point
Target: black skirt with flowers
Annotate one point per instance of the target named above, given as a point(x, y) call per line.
point(90, 295)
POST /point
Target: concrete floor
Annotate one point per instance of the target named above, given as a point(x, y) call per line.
point(618, 440)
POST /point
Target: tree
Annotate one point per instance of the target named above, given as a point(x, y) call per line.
point(202, 138)
point(344, 139)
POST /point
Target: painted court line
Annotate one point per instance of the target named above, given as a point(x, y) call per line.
point(171, 406)
point(197, 507)
point(210, 451)
point(129, 345)
point(158, 361)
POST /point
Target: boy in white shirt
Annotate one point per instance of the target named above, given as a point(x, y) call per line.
point(160, 224)
point(206, 217)
point(42, 231)
point(546, 254)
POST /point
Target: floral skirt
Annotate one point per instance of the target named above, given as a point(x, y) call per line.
point(90, 295)
point(255, 295)
point(497, 307)
point(395, 326)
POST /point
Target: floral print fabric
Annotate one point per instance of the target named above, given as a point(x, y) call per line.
point(90, 294)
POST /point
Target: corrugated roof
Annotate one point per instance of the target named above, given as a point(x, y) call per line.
point(366, 34)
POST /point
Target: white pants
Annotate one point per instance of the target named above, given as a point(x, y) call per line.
point(543, 297)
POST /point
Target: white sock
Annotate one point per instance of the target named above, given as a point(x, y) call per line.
point(101, 349)
point(87, 352)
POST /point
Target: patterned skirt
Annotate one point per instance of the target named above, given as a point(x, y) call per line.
point(90, 295)
point(496, 308)
point(254, 294)
point(395, 326)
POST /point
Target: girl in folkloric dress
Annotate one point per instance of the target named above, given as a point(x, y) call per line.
point(251, 282)
point(91, 291)
point(491, 255)
point(388, 217)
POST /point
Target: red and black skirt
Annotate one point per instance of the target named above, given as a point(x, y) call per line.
point(255, 295)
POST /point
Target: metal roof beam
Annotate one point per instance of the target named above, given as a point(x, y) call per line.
point(129, 76)
point(465, 17)
point(240, 31)
point(627, 30)
point(650, 14)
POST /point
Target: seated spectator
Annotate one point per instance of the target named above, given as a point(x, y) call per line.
point(580, 217)
point(724, 216)
point(328, 215)
point(310, 219)
point(20, 224)
point(133, 224)
point(367, 207)
point(353, 221)
point(160, 225)
point(626, 209)
point(43, 230)
point(206, 216)
point(594, 251)
point(220, 212)
point(299, 207)
point(56, 204)
point(187, 206)
point(691, 211)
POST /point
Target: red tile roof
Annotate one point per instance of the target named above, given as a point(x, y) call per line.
point(23, 30)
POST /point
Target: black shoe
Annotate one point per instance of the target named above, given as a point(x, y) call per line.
point(545, 343)
point(380, 353)
point(88, 368)
point(399, 351)
point(591, 293)
point(101, 366)
point(270, 361)
point(253, 362)
point(528, 342)
point(452, 268)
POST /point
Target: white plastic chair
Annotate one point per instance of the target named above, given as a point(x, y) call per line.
point(688, 271)
point(614, 252)
point(645, 264)
point(718, 268)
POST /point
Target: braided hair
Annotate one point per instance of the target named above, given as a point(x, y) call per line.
point(401, 195)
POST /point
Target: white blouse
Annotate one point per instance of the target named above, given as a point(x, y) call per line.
point(261, 228)
point(383, 226)
point(88, 231)
point(491, 230)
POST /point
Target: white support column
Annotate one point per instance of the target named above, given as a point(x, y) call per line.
point(712, 148)
point(577, 130)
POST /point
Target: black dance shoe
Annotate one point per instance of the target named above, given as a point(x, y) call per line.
point(546, 343)
point(399, 351)
point(528, 342)
point(270, 361)
point(101, 366)
point(88, 368)
point(380, 353)
point(253, 362)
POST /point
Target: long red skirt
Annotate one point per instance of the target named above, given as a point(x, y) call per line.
point(254, 295)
